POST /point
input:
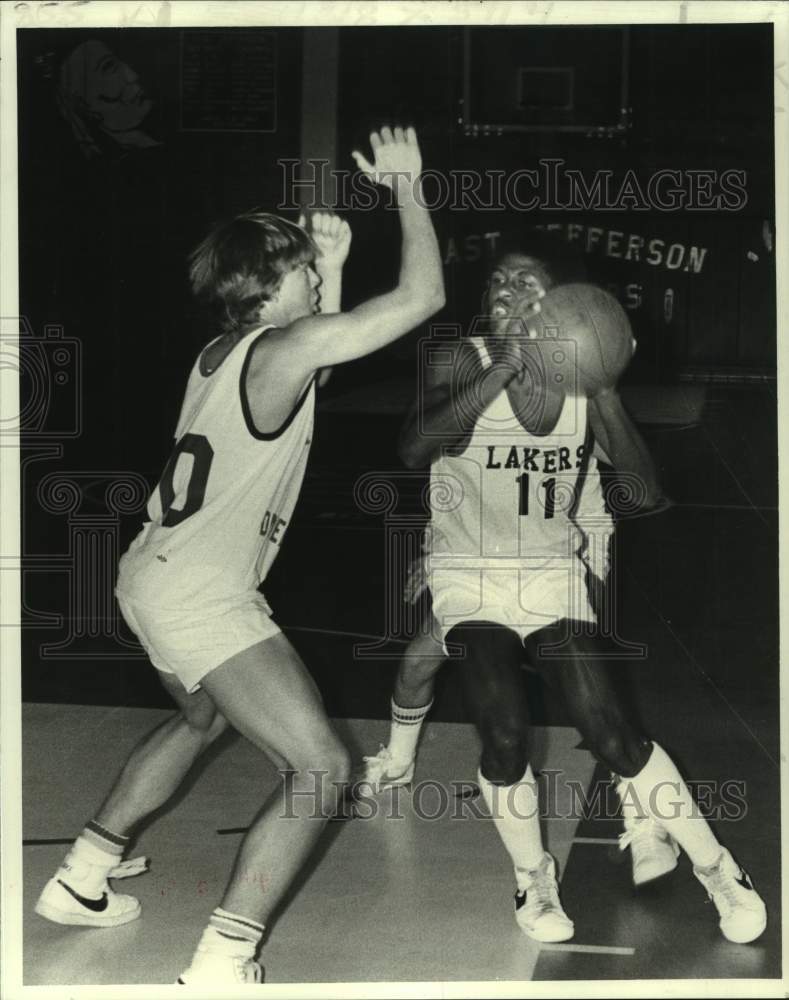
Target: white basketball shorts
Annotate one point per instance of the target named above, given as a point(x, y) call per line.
point(524, 595)
point(190, 644)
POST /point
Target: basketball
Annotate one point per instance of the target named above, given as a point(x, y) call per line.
point(597, 326)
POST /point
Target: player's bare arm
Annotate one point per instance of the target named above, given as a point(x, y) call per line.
point(448, 408)
point(623, 445)
point(314, 342)
point(450, 405)
point(332, 237)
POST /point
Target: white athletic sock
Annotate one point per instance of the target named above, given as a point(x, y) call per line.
point(232, 934)
point(92, 856)
point(516, 815)
point(659, 791)
point(631, 806)
point(405, 729)
point(106, 840)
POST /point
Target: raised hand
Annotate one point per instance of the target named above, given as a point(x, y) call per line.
point(397, 159)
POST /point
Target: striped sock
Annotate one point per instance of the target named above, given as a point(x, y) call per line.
point(95, 851)
point(406, 726)
point(231, 933)
point(105, 840)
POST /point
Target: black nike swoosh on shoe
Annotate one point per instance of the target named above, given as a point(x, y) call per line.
point(744, 880)
point(97, 905)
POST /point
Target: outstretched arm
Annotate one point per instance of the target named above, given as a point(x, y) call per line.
point(623, 445)
point(318, 341)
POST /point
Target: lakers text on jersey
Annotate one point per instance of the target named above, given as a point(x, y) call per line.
point(515, 521)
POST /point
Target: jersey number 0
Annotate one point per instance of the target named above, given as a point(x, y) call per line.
point(202, 454)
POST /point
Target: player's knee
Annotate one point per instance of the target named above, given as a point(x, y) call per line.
point(205, 721)
point(338, 764)
point(504, 755)
point(620, 752)
point(331, 763)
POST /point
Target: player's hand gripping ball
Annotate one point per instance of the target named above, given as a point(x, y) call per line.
point(595, 328)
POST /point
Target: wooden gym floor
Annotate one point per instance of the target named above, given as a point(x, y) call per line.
point(413, 899)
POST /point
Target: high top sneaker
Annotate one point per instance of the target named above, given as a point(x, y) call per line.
point(538, 911)
point(743, 915)
point(385, 771)
point(220, 961)
point(653, 851)
point(71, 895)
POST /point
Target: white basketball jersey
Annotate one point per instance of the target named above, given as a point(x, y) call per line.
point(515, 494)
point(222, 506)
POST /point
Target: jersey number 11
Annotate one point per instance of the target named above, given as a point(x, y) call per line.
point(549, 485)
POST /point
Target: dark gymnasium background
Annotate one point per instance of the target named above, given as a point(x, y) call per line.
point(110, 331)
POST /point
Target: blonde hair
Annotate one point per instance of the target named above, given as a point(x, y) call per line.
point(240, 264)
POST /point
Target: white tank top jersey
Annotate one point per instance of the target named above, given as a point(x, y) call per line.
point(222, 506)
point(514, 494)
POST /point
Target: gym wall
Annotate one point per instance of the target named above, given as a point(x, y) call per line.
point(698, 284)
point(103, 241)
point(110, 329)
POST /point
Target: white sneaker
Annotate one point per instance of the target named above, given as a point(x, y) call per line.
point(385, 771)
point(214, 968)
point(653, 850)
point(65, 901)
point(538, 911)
point(743, 915)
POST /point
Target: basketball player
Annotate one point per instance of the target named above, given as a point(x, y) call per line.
point(188, 584)
point(516, 568)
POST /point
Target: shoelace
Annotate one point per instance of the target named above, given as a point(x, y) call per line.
point(642, 829)
point(722, 889)
point(134, 866)
point(385, 760)
point(543, 891)
point(249, 970)
point(383, 756)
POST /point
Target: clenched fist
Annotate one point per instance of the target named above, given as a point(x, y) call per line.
point(332, 236)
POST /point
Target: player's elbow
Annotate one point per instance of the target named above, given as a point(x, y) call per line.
point(412, 451)
point(425, 299)
point(410, 455)
point(437, 299)
point(414, 459)
point(654, 497)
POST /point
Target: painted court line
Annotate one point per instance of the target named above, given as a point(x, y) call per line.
point(596, 840)
point(589, 949)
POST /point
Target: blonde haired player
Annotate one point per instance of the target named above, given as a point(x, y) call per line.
point(188, 584)
point(515, 558)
